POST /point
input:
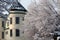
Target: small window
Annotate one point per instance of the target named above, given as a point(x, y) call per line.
point(17, 20)
point(11, 33)
point(2, 35)
point(17, 32)
point(10, 20)
point(23, 18)
point(3, 24)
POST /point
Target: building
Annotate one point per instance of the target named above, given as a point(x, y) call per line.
point(2, 26)
point(14, 22)
point(10, 26)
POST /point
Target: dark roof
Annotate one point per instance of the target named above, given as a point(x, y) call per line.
point(17, 6)
point(3, 15)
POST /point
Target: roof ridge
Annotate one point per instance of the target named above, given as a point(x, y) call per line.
point(18, 6)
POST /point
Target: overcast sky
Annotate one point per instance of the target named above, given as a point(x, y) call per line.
point(25, 3)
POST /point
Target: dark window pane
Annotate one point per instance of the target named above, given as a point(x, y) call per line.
point(17, 20)
point(17, 32)
point(2, 35)
point(2, 23)
point(11, 32)
point(10, 20)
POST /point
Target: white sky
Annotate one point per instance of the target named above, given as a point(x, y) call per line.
point(25, 3)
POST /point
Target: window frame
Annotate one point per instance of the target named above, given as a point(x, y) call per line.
point(10, 20)
point(3, 24)
point(2, 35)
point(17, 32)
point(11, 34)
point(17, 20)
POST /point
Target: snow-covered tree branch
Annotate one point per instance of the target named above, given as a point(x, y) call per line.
point(42, 17)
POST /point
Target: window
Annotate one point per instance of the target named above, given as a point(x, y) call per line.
point(17, 32)
point(2, 35)
point(11, 32)
point(23, 18)
point(10, 20)
point(17, 20)
point(2, 23)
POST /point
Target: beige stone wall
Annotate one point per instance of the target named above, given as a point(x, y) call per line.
point(14, 26)
point(1, 28)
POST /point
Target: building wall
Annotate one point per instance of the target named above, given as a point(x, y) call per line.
point(15, 26)
point(1, 28)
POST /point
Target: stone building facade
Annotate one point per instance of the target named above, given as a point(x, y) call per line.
point(10, 26)
point(14, 22)
point(2, 26)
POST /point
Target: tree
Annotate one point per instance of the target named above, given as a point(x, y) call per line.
point(41, 20)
